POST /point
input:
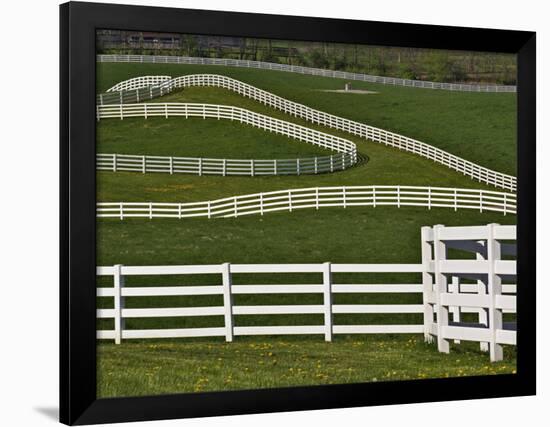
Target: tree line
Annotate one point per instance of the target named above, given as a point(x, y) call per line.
point(408, 63)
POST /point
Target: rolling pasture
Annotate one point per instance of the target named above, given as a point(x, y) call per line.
point(477, 126)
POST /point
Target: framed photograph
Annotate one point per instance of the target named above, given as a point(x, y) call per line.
point(268, 213)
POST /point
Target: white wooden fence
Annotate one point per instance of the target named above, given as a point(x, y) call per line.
point(225, 287)
point(443, 294)
point(462, 87)
point(316, 198)
point(446, 298)
point(139, 82)
point(281, 127)
point(466, 167)
point(208, 166)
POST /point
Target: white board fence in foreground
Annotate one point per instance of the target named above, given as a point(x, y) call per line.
point(443, 289)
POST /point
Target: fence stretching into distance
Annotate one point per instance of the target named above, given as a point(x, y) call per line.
point(321, 139)
point(316, 198)
point(442, 288)
point(395, 81)
point(466, 167)
point(207, 166)
point(488, 296)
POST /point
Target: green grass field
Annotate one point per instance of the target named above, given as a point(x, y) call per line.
point(381, 165)
point(479, 127)
point(148, 368)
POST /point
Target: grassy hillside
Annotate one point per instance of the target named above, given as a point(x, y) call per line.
point(145, 367)
point(476, 126)
point(354, 235)
point(211, 138)
point(480, 127)
point(196, 137)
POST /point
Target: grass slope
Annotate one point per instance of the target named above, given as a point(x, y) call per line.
point(353, 235)
point(196, 137)
point(176, 136)
point(382, 234)
point(480, 127)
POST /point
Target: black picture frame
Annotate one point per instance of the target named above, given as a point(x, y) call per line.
point(78, 23)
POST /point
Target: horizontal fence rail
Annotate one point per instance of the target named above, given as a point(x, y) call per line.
point(466, 167)
point(207, 166)
point(445, 298)
point(443, 290)
point(225, 288)
point(395, 81)
point(321, 139)
point(316, 198)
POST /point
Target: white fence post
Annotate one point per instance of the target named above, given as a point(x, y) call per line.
point(200, 166)
point(494, 286)
point(455, 311)
point(114, 162)
point(440, 254)
point(289, 201)
point(482, 290)
point(143, 164)
point(427, 284)
point(317, 198)
point(261, 204)
point(398, 196)
point(456, 200)
point(327, 299)
point(171, 165)
point(227, 301)
point(118, 300)
point(344, 197)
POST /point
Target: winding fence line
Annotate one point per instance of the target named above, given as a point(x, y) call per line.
point(347, 150)
point(207, 166)
point(466, 167)
point(395, 81)
point(316, 198)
